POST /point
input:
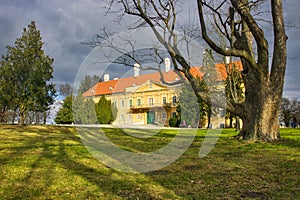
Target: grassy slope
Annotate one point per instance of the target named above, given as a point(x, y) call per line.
point(48, 162)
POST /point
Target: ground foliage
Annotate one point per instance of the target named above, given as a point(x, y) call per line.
point(50, 162)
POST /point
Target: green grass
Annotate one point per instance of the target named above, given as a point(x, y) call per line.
point(48, 162)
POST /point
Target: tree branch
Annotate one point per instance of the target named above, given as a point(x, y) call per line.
point(243, 8)
point(279, 52)
point(224, 52)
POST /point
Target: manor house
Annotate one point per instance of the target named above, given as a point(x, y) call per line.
point(143, 99)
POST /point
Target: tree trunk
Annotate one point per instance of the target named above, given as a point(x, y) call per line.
point(230, 120)
point(209, 121)
point(37, 118)
point(45, 117)
point(237, 124)
point(22, 119)
point(14, 115)
point(260, 118)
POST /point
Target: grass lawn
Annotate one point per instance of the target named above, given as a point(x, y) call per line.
point(49, 162)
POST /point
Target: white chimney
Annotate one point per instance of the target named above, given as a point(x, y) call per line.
point(106, 77)
point(136, 69)
point(167, 64)
point(227, 58)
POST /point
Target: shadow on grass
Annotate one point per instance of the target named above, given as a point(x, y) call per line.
point(41, 156)
point(51, 163)
point(103, 180)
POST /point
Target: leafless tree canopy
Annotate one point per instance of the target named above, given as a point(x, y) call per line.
point(246, 27)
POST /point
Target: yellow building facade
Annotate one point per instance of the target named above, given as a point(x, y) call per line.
point(143, 99)
point(149, 103)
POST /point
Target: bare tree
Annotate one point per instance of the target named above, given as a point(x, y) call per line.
point(263, 87)
point(65, 90)
point(237, 20)
point(289, 110)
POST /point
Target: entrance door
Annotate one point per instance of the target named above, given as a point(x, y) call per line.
point(150, 117)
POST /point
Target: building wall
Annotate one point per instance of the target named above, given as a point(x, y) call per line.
point(140, 103)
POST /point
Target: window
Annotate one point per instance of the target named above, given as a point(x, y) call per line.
point(222, 112)
point(164, 100)
point(150, 101)
point(139, 102)
point(115, 103)
point(122, 103)
point(174, 99)
point(163, 115)
point(130, 102)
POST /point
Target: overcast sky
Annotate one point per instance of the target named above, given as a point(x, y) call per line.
point(64, 24)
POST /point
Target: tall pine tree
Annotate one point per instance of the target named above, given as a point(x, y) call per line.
point(28, 71)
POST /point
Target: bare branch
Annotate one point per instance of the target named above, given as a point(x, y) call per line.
point(229, 52)
point(243, 8)
point(279, 52)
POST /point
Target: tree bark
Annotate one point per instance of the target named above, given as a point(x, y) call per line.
point(260, 121)
point(263, 89)
point(45, 117)
point(22, 119)
point(230, 121)
point(263, 81)
point(260, 112)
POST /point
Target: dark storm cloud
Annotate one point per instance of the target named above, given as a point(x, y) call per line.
point(64, 24)
point(292, 18)
point(6, 27)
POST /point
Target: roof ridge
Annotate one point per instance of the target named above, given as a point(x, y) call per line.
point(119, 85)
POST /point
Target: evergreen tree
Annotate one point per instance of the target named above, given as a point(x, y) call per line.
point(84, 110)
point(204, 107)
point(7, 91)
point(208, 84)
point(105, 111)
point(27, 72)
point(65, 114)
point(188, 108)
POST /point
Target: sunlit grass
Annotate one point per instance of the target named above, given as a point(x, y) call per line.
point(48, 162)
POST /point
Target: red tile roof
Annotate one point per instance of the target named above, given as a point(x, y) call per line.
point(101, 88)
point(117, 86)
